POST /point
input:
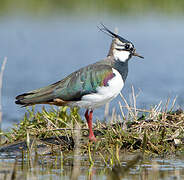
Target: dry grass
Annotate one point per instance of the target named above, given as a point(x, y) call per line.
point(156, 131)
point(58, 138)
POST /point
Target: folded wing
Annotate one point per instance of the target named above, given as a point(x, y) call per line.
point(72, 88)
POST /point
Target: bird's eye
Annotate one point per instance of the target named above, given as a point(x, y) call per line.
point(131, 49)
point(127, 46)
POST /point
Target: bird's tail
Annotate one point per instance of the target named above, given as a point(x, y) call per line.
point(39, 96)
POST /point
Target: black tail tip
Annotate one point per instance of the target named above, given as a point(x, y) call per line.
point(19, 102)
point(20, 99)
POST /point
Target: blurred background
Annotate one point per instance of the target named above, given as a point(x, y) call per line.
point(45, 40)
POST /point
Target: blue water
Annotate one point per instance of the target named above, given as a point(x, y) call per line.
point(44, 50)
point(153, 168)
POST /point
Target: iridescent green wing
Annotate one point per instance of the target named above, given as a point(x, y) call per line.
point(82, 82)
point(72, 88)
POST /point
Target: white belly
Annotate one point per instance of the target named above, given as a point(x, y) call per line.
point(103, 95)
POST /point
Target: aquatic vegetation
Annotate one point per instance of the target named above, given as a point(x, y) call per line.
point(50, 141)
point(157, 131)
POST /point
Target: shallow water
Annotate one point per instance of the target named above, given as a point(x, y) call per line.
point(49, 168)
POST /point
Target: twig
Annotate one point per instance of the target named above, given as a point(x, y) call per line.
point(128, 107)
point(106, 112)
point(76, 164)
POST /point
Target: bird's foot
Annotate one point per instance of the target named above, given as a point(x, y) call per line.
point(92, 138)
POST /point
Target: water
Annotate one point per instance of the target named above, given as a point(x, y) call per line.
point(49, 168)
point(46, 41)
point(43, 51)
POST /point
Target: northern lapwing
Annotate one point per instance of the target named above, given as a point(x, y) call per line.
point(90, 87)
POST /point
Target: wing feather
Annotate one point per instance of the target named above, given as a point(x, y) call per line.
point(72, 88)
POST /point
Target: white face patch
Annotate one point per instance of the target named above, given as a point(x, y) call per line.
point(121, 55)
point(122, 50)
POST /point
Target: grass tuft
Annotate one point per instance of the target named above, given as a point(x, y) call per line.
point(157, 131)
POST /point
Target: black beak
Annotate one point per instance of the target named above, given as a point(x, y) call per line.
point(136, 54)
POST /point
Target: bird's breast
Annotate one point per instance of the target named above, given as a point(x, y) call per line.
point(114, 86)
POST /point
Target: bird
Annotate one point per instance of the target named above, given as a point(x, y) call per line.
point(91, 86)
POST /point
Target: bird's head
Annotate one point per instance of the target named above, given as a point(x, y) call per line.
point(122, 49)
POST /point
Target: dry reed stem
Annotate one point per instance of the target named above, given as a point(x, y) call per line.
point(128, 107)
point(106, 112)
point(153, 111)
point(1, 83)
point(76, 164)
point(134, 101)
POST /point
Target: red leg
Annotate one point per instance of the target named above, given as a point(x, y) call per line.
point(89, 118)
